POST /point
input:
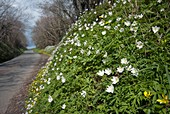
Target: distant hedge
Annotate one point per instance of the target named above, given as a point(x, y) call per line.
point(7, 52)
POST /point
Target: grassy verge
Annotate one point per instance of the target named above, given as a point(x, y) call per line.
point(8, 52)
point(41, 51)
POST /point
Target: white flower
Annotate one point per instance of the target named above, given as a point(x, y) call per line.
point(105, 55)
point(140, 16)
point(129, 68)
point(85, 43)
point(101, 23)
point(104, 61)
point(124, 61)
point(100, 72)
point(75, 57)
point(94, 23)
point(104, 33)
point(81, 51)
point(83, 93)
point(114, 5)
point(49, 79)
point(88, 53)
point(115, 80)
point(107, 27)
point(87, 28)
point(124, 2)
point(127, 23)
point(133, 29)
point(116, 27)
point(29, 106)
point(134, 71)
point(90, 47)
point(41, 87)
point(110, 21)
point(70, 49)
point(110, 13)
point(120, 69)
point(82, 35)
point(108, 71)
point(121, 30)
point(159, 1)
point(98, 51)
point(55, 64)
point(134, 23)
point(136, 16)
point(162, 10)
point(63, 106)
point(110, 89)
point(78, 43)
point(50, 99)
point(80, 29)
point(155, 29)
point(118, 19)
point(63, 80)
point(130, 16)
point(58, 77)
point(139, 44)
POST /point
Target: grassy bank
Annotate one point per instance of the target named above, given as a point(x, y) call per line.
point(114, 60)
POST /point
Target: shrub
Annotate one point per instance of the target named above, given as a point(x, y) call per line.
point(49, 49)
point(114, 59)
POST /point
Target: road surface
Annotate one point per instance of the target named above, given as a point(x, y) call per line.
point(15, 72)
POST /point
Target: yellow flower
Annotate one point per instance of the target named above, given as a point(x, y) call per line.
point(164, 100)
point(101, 16)
point(147, 94)
point(107, 22)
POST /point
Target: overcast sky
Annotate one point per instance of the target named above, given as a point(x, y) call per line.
point(30, 8)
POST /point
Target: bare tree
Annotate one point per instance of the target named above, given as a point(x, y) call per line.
point(58, 16)
point(82, 5)
point(11, 28)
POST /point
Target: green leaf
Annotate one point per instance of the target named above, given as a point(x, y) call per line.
point(147, 111)
point(168, 76)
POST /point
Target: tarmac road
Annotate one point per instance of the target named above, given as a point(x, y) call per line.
point(15, 72)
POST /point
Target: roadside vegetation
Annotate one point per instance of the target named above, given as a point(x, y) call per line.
point(12, 38)
point(47, 51)
point(115, 59)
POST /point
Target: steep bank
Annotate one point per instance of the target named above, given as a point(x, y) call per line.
point(114, 59)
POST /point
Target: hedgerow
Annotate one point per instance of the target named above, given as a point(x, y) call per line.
point(114, 59)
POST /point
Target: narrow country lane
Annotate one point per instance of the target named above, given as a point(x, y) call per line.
point(14, 73)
